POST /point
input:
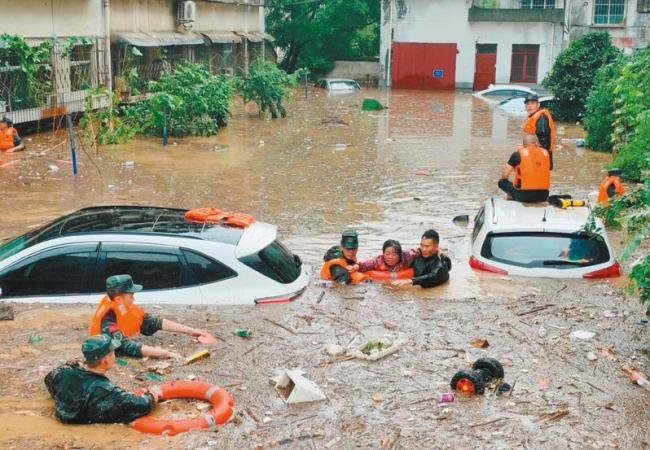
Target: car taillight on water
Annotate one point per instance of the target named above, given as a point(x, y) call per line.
point(608, 272)
point(476, 264)
point(278, 300)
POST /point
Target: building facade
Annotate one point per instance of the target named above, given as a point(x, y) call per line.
point(97, 43)
point(447, 44)
point(627, 21)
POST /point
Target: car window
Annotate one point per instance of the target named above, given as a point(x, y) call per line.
point(207, 270)
point(342, 85)
point(478, 223)
point(551, 250)
point(276, 262)
point(59, 271)
point(150, 266)
point(13, 246)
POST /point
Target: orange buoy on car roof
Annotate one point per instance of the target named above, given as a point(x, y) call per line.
point(221, 411)
point(214, 215)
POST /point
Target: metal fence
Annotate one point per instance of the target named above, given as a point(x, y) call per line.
point(59, 84)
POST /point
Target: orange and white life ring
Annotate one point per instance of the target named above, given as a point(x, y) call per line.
point(221, 411)
point(214, 215)
point(385, 276)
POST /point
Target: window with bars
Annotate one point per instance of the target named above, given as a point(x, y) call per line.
point(609, 12)
point(643, 6)
point(538, 4)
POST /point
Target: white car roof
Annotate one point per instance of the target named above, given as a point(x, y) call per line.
point(510, 216)
point(519, 87)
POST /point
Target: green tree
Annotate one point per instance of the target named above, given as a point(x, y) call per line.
point(598, 120)
point(189, 101)
point(574, 71)
point(313, 33)
point(267, 85)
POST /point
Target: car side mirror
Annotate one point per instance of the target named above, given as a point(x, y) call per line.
point(0, 292)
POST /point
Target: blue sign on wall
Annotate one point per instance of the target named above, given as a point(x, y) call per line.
point(438, 73)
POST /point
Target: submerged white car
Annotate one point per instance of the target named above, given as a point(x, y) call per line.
point(540, 240)
point(339, 85)
point(176, 261)
point(496, 93)
point(516, 105)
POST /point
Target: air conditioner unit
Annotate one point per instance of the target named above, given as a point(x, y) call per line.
point(186, 12)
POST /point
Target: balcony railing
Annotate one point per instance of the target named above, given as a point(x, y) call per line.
point(517, 11)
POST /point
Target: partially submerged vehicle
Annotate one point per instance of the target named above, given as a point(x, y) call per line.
point(540, 240)
point(496, 93)
point(178, 261)
point(516, 105)
point(339, 85)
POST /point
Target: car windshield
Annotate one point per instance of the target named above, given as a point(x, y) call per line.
point(276, 262)
point(551, 250)
point(343, 85)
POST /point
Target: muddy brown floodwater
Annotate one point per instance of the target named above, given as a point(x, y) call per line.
point(389, 174)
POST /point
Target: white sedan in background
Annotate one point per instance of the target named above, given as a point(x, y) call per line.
point(499, 92)
point(515, 106)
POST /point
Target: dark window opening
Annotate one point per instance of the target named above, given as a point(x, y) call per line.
point(524, 62)
point(207, 270)
point(275, 262)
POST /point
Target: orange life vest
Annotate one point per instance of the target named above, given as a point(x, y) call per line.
point(530, 126)
point(355, 277)
point(609, 181)
point(129, 319)
point(534, 170)
point(384, 276)
point(7, 138)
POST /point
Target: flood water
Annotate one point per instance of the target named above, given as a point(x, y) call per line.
point(328, 166)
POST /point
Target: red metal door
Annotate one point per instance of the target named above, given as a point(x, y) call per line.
point(485, 66)
point(423, 66)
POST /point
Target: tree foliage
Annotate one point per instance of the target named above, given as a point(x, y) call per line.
point(598, 120)
point(267, 85)
point(188, 101)
point(631, 213)
point(574, 71)
point(313, 34)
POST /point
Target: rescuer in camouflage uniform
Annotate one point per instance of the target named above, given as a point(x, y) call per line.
point(85, 395)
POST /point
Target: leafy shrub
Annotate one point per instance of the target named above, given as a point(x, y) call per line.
point(598, 119)
point(634, 158)
point(573, 73)
point(267, 85)
point(189, 101)
point(106, 125)
point(631, 213)
point(631, 97)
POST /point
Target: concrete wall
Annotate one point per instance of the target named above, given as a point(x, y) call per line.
point(46, 18)
point(357, 70)
point(632, 33)
point(445, 21)
point(227, 17)
point(143, 15)
point(160, 15)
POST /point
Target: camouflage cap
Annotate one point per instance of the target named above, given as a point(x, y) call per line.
point(118, 284)
point(531, 98)
point(96, 347)
point(350, 239)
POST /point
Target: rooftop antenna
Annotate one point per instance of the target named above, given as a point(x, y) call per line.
point(544, 218)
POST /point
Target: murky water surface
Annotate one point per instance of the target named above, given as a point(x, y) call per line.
point(329, 166)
